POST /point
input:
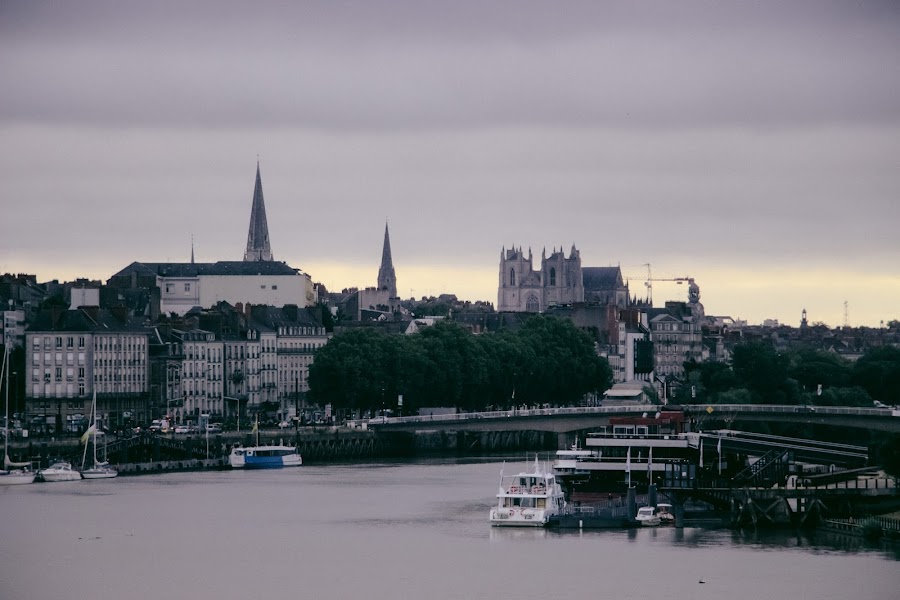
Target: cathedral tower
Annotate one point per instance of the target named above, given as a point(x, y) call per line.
point(258, 248)
point(387, 280)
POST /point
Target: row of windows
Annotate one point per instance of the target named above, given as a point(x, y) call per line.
point(50, 342)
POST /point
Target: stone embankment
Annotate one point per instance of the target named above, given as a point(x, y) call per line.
point(155, 453)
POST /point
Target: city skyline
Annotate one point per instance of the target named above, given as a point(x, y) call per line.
point(752, 148)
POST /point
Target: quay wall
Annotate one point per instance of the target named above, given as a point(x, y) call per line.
point(154, 453)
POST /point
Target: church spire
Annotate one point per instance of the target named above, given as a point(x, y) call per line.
point(258, 247)
point(387, 280)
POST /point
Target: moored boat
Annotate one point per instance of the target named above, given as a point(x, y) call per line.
point(16, 476)
point(264, 457)
point(666, 516)
point(647, 517)
point(59, 471)
point(13, 473)
point(528, 499)
point(98, 469)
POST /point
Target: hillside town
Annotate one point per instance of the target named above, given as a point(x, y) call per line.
point(236, 339)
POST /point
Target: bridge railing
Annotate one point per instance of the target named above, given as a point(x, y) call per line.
point(697, 409)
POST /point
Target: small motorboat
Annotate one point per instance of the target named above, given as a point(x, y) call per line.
point(647, 517)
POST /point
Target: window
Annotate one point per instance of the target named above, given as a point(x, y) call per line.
point(552, 276)
point(187, 287)
point(70, 342)
point(274, 287)
point(512, 277)
point(532, 304)
point(59, 342)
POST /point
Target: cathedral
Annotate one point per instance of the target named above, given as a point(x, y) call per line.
point(560, 281)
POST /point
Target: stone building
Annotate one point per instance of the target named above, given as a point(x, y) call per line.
point(258, 279)
point(71, 354)
point(522, 289)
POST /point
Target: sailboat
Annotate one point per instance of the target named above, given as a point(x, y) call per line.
point(13, 473)
point(97, 470)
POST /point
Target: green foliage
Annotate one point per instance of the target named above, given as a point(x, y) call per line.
point(878, 371)
point(547, 361)
point(760, 368)
point(889, 455)
point(812, 368)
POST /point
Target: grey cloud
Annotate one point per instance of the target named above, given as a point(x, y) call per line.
point(438, 65)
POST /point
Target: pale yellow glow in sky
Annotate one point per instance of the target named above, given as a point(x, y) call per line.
point(750, 294)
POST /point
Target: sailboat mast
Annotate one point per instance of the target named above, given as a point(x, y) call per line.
point(3, 370)
point(94, 425)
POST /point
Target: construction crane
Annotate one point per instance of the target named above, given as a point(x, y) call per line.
point(693, 288)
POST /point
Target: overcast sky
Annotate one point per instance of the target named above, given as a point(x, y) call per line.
point(753, 146)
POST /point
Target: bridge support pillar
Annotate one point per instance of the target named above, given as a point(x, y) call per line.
point(562, 441)
point(679, 512)
point(631, 501)
point(651, 494)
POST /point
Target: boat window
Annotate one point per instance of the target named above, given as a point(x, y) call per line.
point(541, 503)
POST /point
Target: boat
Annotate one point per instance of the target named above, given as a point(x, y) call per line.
point(13, 473)
point(664, 511)
point(647, 517)
point(98, 469)
point(59, 471)
point(264, 457)
point(528, 499)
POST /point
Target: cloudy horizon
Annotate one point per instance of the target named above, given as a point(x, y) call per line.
point(753, 147)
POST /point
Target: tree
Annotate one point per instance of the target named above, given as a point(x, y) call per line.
point(812, 368)
point(761, 370)
point(878, 371)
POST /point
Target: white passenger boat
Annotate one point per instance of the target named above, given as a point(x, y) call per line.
point(528, 499)
point(264, 457)
point(59, 471)
point(647, 517)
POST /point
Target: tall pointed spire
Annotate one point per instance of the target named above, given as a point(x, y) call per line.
point(387, 280)
point(258, 247)
point(192, 248)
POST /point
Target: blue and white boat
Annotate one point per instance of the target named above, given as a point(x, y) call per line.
point(264, 457)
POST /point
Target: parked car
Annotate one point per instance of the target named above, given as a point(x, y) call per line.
point(284, 424)
point(182, 429)
point(213, 428)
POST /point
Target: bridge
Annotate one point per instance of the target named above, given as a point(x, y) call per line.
point(699, 417)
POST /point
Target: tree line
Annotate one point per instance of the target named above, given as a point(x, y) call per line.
point(760, 374)
point(546, 361)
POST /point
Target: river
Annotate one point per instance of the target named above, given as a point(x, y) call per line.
point(385, 530)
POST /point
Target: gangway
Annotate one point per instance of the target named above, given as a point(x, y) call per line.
point(801, 449)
